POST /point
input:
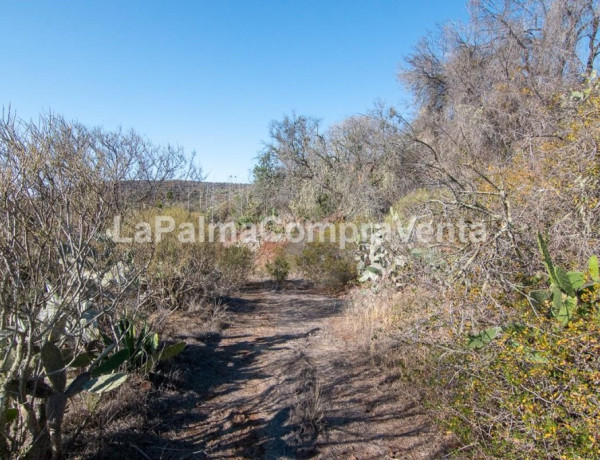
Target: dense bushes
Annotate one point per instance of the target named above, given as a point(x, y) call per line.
point(327, 265)
point(279, 267)
point(356, 168)
point(513, 369)
point(532, 391)
point(178, 272)
point(64, 282)
point(73, 297)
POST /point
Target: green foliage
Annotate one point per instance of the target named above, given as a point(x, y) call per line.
point(171, 351)
point(244, 221)
point(137, 346)
point(585, 93)
point(234, 264)
point(543, 245)
point(140, 349)
point(11, 415)
point(110, 364)
point(94, 371)
point(377, 259)
point(327, 265)
point(278, 268)
point(105, 383)
point(268, 176)
point(531, 393)
point(179, 273)
point(484, 337)
point(566, 289)
point(528, 390)
point(593, 269)
point(59, 322)
point(97, 378)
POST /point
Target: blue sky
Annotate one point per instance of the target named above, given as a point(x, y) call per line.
point(208, 75)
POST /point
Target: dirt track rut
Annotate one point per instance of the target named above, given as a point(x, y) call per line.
point(279, 382)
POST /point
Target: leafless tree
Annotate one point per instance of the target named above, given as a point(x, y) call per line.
point(354, 168)
point(60, 274)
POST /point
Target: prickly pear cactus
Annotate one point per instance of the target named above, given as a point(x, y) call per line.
point(378, 258)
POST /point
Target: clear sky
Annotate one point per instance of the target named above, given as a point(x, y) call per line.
point(208, 75)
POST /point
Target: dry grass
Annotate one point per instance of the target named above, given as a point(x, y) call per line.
point(309, 406)
point(402, 321)
point(96, 423)
point(212, 313)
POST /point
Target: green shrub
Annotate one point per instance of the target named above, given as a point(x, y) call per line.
point(140, 346)
point(327, 265)
point(278, 268)
point(530, 388)
point(179, 273)
point(235, 264)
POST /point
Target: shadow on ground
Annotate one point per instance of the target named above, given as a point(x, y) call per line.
point(201, 406)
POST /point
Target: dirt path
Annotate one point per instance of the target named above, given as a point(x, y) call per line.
point(280, 383)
